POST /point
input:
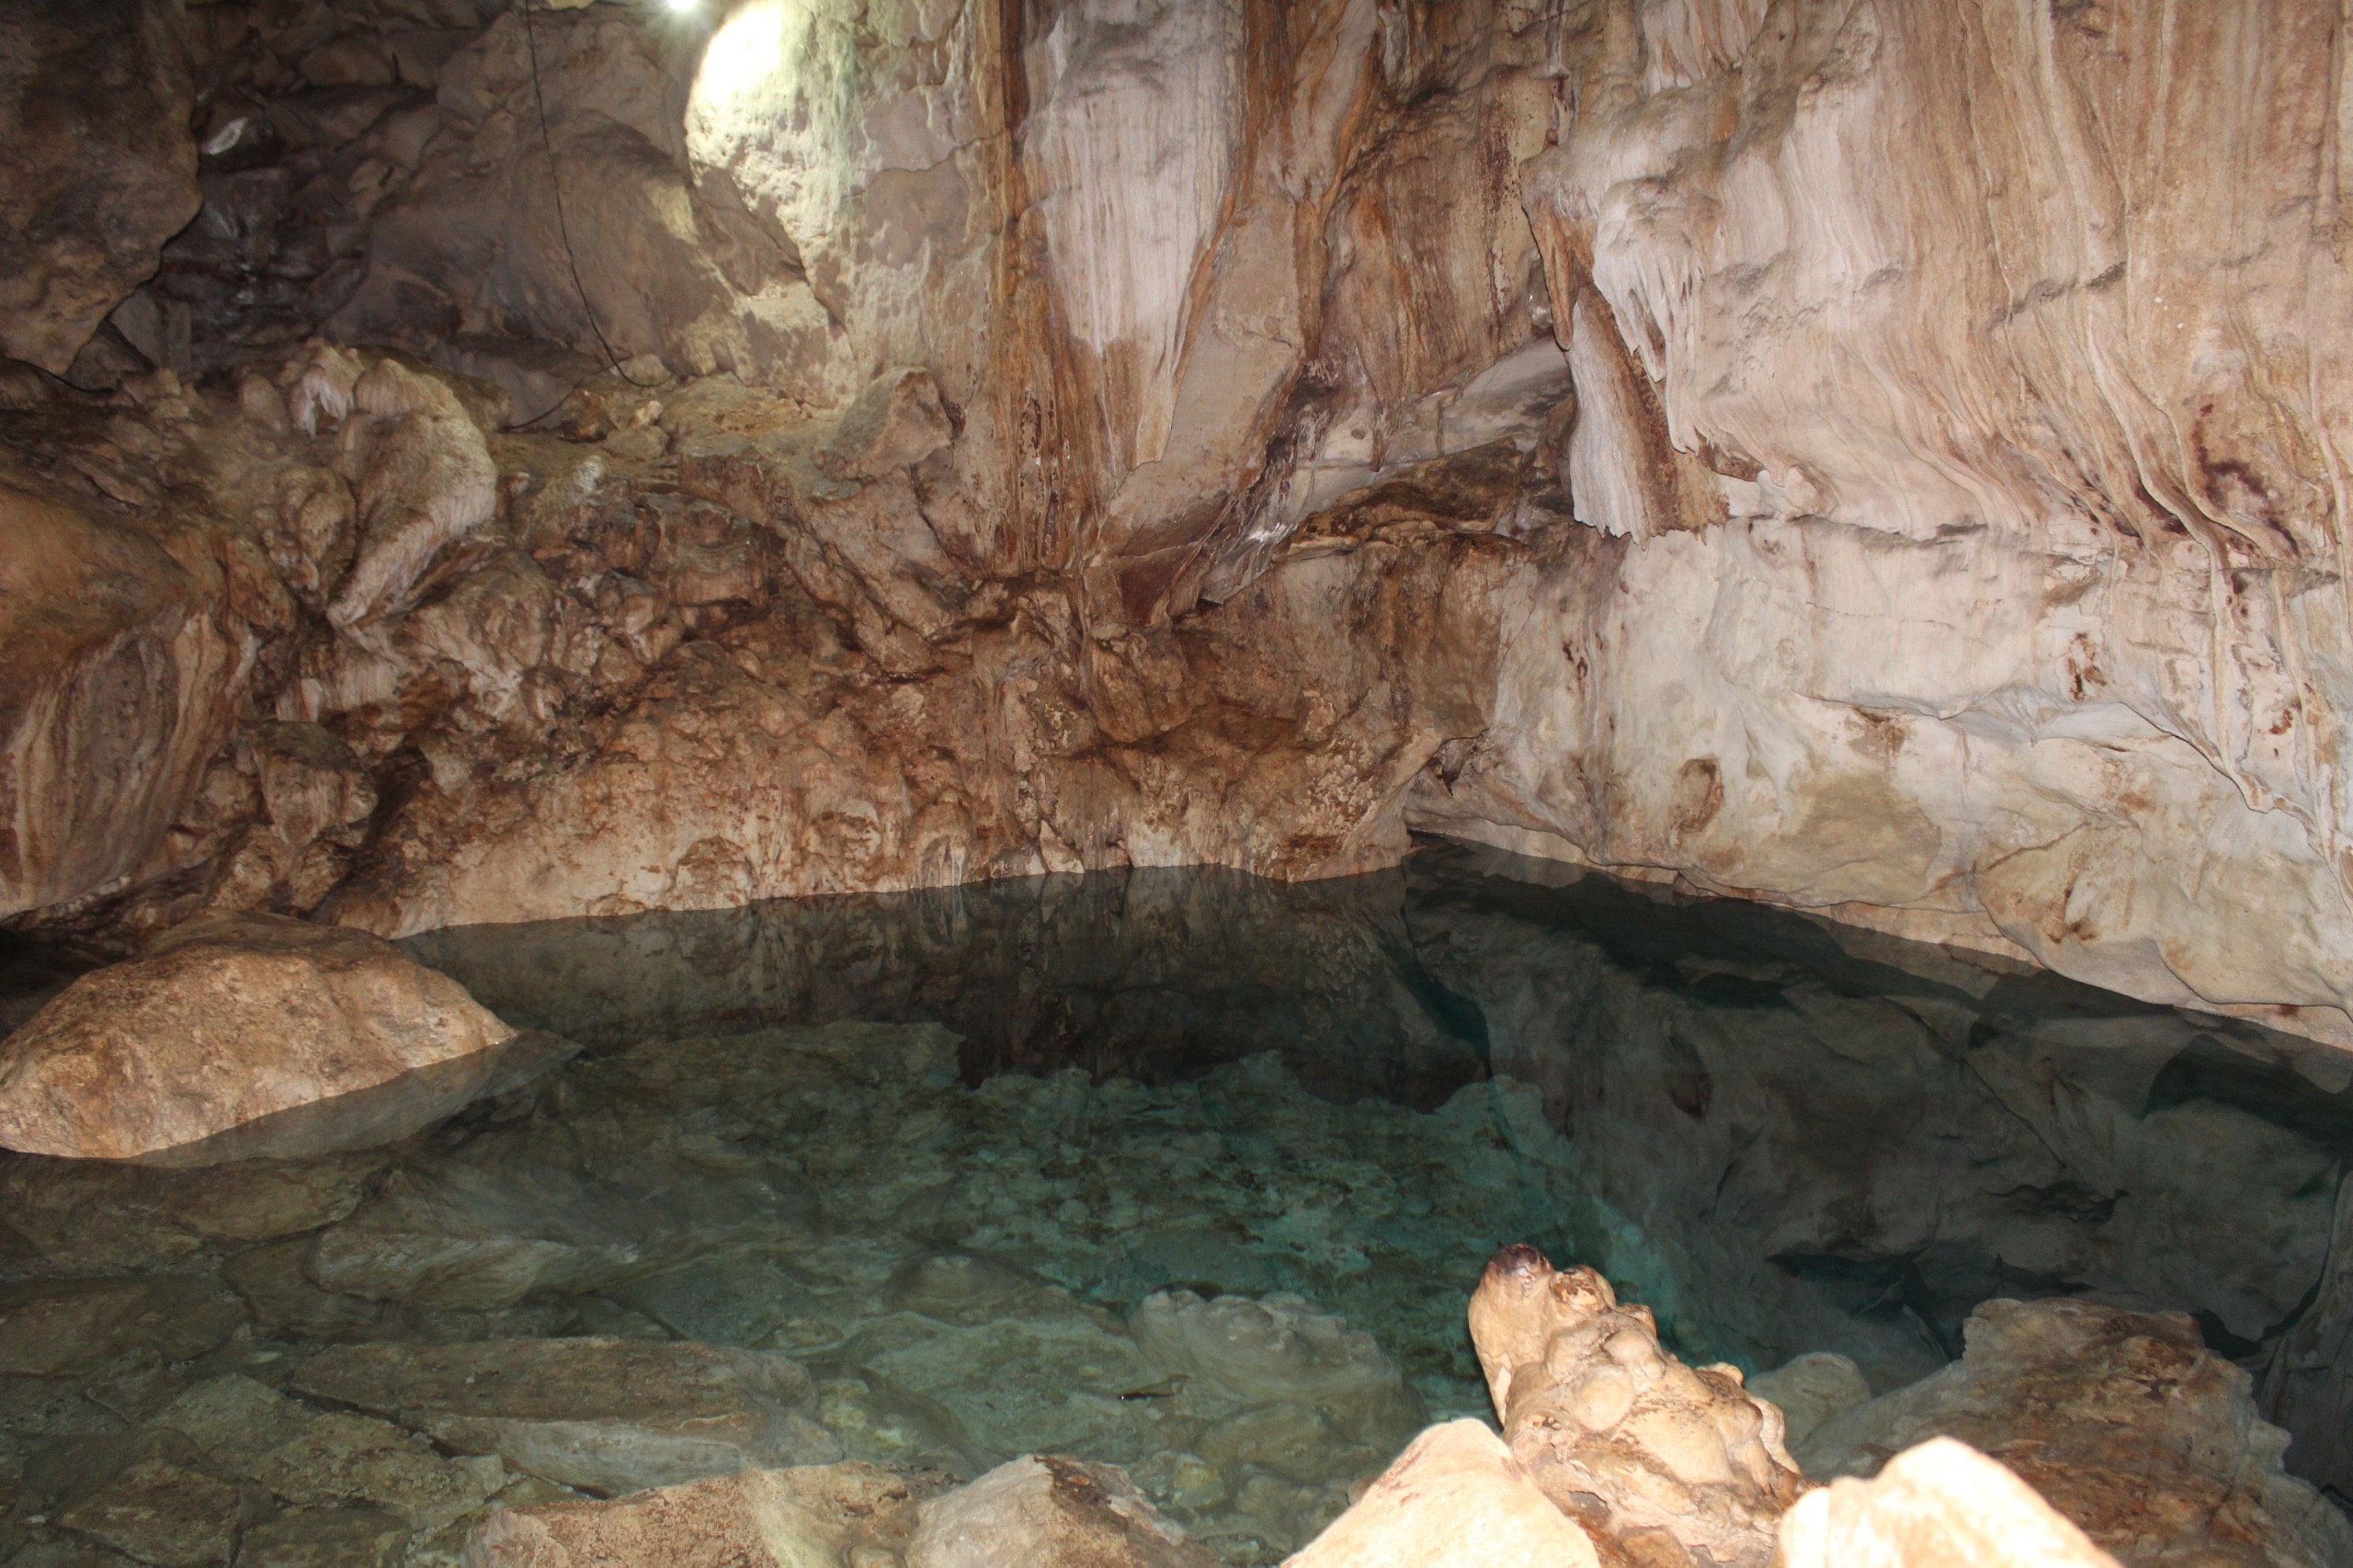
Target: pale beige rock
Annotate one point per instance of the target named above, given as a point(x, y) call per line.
point(2122, 1421)
point(222, 1022)
point(424, 479)
point(1674, 1464)
point(1046, 1511)
point(1456, 1498)
point(1925, 319)
point(760, 1519)
point(607, 1415)
point(1941, 1505)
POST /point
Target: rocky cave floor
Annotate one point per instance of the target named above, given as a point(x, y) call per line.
point(1214, 1234)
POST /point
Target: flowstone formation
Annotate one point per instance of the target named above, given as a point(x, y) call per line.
point(987, 439)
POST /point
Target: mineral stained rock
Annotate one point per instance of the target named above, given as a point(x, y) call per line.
point(222, 1022)
point(2122, 1421)
point(1941, 1505)
point(1082, 434)
point(1681, 1464)
point(605, 1414)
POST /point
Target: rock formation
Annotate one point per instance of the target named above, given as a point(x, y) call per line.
point(1679, 1465)
point(94, 104)
point(600, 1415)
point(2123, 1421)
point(856, 1514)
point(222, 1023)
point(1060, 438)
point(1455, 1498)
point(1055, 1513)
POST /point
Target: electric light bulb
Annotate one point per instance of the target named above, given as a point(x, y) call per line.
point(683, 4)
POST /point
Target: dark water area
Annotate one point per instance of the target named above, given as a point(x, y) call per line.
point(1180, 1170)
point(1792, 1135)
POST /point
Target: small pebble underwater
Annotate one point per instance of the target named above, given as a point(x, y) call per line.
point(1181, 1171)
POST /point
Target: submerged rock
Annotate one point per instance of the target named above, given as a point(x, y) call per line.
point(222, 1022)
point(760, 1519)
point(163, 1510)
point(1682, 1465)
point(1280, 1348)
point(2123, 1421)
point(326, 1538)
point(1046, 1511)
point(55, 1327)
point(601, 1413)
point(1810, 1389)
point(342, 1458)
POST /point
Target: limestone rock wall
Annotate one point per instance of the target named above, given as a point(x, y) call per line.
point(2000, 571)
point(1875, 456)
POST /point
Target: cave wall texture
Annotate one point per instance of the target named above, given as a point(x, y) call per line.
point(1882, 457)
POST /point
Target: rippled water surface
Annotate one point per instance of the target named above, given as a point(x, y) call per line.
point(1183, 1171)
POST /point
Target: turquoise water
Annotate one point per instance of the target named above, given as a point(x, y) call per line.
point(1184, 1171)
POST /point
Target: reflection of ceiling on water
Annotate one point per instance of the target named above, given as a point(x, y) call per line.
point(1825, 1138)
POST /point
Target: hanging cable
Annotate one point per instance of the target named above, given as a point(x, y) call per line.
point(563, 232)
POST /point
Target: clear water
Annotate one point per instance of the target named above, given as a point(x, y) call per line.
point(1191, 1173)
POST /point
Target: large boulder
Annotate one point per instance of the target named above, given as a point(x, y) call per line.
point(2123, 1421)
point(95, 100)
point(222, 1022)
